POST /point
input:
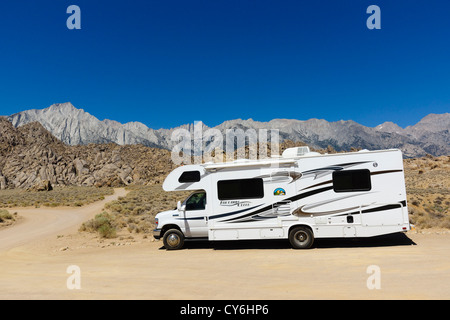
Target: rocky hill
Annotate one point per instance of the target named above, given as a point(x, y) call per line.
point(30, 155)
point(76, 127)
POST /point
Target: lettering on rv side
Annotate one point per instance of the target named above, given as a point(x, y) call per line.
point(237, 203)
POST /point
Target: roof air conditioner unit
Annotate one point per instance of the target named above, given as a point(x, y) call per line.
point(295, 152)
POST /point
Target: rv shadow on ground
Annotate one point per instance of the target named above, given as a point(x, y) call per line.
point(398, 239)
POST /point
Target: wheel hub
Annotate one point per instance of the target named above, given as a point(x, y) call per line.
point(301, 236)
point(173, 240)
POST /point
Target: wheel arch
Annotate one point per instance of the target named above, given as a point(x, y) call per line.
point(301, 225)
point(168, 227)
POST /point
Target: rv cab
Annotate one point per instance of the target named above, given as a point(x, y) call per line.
point(190, 216)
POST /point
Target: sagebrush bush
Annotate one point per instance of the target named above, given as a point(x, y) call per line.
point(103, 224)
point(5, 215)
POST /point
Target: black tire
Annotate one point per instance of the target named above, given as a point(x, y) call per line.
point(301, 238)
point(173, 239)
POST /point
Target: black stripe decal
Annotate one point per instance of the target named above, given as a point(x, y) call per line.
point(383, 172)
point(376, 209)
point(219, 215)
point(294, 198)
point(194, 218)
point(383, 208)
point(372, 174)
point(309, 193)
point(319, 184)
point(231, 213)
point(334, 167)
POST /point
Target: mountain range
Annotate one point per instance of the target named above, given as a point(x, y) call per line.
point(77, 127)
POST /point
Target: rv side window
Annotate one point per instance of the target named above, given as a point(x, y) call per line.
point(189, 176)
point(240, 189)
point(196, 202)
point(351, 180)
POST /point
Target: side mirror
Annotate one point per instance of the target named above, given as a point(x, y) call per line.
point(180, 207)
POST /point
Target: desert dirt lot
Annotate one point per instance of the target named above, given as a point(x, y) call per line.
point(36, 252)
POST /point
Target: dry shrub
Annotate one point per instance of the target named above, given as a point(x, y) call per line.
point(5, 215)
point(103, 224)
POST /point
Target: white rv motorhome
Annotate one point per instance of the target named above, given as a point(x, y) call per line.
point(300, 196)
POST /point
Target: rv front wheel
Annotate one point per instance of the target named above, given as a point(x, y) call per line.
point(301, 238)
point(173, 239)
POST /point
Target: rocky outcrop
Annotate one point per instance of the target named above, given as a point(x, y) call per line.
point(43, 186)
point(32, 158)
point(2, 182)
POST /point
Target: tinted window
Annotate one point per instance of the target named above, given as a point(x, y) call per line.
point(189, 176)
point(351, 180)
point(240, 189)
point(196, 202)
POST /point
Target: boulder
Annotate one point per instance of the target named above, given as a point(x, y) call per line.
point(2, 182)
point(43, 186)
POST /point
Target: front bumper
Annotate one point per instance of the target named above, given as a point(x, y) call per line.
point(157, 234)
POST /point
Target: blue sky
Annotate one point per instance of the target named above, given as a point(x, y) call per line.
point(167, 62)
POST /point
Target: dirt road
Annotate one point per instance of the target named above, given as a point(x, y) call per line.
point(39, 223)
point(32, 266)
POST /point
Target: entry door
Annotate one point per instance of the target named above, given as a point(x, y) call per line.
point(196, 215)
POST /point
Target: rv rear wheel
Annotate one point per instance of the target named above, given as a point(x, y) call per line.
point(301, 238)
point(173, 239)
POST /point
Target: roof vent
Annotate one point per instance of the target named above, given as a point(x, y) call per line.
point(295, 152)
